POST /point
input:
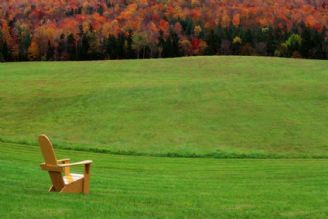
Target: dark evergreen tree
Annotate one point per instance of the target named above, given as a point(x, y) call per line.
point(50, 52)
point(213, 40)
point(111, 47)
point(24, 43)
point(2, 59)
point(171, 45)
point(61, 47)
point(6, 52)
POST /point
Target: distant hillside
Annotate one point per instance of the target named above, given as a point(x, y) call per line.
point(200, 106)
point(117, 29)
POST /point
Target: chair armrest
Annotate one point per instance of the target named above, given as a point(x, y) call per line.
point(48, 167)
point(76, 163)
point(63, 160)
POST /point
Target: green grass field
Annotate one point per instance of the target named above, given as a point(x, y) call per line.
point(154, 128)
point(203, 106)
point(140, 187)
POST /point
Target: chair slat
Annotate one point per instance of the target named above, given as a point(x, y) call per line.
point(47, 150)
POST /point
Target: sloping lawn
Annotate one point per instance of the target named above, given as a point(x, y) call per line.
point(199, 106)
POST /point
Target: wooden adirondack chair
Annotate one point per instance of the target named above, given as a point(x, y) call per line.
point(69, 182)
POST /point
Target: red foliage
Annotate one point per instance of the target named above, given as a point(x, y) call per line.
point(113, 17)
point(195, 43)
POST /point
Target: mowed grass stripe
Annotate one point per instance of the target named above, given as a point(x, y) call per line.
point(130, 187)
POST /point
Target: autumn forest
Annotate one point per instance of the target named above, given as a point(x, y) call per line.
point(124, 29)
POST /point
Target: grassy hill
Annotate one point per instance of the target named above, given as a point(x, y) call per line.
point(199, 106)
point(223, 107)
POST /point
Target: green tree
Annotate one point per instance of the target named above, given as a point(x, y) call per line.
point(139, 43)
point(293, 43)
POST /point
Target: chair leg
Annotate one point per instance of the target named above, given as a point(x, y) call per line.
point(86, 180)
point(52, 189)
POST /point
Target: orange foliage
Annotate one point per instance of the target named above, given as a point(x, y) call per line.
point(46, 21)
point(236, 20)
point(164, 26)
point(33, 51)
point(310, 21)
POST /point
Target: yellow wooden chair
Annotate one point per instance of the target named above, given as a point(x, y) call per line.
point(69, 182)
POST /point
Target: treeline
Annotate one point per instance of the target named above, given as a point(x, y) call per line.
point(91, 30)
point(300, 42)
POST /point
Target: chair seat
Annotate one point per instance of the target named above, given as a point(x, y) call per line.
point(73, 177)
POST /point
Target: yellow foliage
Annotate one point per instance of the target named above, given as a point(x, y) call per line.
point(237, 40)
point(197, 30)
point(33, 51)
point(85, 26)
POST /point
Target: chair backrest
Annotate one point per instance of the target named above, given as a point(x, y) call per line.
point(50, 159)
point(47, 150)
